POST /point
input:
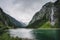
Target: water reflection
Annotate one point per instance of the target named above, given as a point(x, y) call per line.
point(22, 33)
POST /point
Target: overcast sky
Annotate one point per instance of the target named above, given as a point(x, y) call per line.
point(22, 10)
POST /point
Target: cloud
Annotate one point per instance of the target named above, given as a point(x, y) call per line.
point(22, 10)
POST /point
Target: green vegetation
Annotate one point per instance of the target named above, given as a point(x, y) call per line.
point(5, 36)
point(46, 25)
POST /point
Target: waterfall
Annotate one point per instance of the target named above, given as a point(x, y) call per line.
point(52, 16)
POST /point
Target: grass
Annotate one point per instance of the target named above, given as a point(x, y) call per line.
point(46, 25)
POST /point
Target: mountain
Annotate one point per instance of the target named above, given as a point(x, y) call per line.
point(45, 18)
point(42, 16)
point(7, 20)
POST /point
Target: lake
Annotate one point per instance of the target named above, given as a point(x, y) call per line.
point(34, 34)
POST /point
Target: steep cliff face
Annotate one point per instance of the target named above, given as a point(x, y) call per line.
point(6, 20)
point(43, 17)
